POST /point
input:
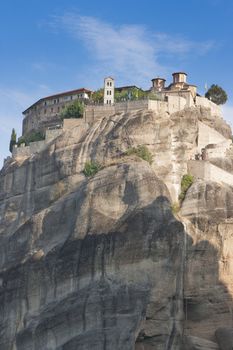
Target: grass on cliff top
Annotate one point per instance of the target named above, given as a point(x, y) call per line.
point(142, 152)
point(91, 168)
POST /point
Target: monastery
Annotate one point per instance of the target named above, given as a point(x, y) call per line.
point(46, 112)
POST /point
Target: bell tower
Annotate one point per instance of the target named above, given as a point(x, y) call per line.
point(109, 87)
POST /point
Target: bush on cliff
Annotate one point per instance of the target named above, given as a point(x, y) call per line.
point(32, 137)
point(91, 168)
point(186, 182)
point(75, 110)
point(142, 152)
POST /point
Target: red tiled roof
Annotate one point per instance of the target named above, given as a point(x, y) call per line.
point(60, 94)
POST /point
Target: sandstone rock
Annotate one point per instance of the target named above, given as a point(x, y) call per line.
point(195, 343)
point(224, 338)
point(102, 263)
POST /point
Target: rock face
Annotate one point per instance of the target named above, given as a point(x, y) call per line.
point(102, 263)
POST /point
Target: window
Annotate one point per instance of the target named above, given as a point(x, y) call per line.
point(58, 109)
point(45, 111)
point(110, 92)
point(71, 97)
point(110, 84)
point(45, 103)
point(107, 92)
point(55, 101)
point(51, 110)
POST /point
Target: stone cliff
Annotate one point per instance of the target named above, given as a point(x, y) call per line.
point(102, 263)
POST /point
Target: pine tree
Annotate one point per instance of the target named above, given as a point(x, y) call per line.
point(216, 94)
point(13, 140)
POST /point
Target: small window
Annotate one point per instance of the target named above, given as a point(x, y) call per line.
point(45, 103)
point(110, 84)
point(58, 109)
point(110, 92)
point(51, 110)
point(45, 111)
point(71, 97)
point(55, 101)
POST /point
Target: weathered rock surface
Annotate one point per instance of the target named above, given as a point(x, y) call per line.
point(102, 263)
point(195, 343)
point(224, 338)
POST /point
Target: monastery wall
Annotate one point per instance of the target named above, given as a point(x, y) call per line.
point(208, 135)
point(37, 146)
point(173, 104)
point(209, 172)
point(204, 102)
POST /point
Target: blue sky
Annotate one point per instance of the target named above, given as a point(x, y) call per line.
point(50, 46)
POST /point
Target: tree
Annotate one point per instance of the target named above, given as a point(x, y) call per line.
point(216, 94)
point(13, 140)
point(75, 110)
point(98, 96)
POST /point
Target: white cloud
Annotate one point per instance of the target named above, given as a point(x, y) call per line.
point(130, 52)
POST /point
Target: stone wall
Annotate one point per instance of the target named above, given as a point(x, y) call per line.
point(35, 147)
point(218, 151)
point(71, 123)
point(209, 172)
point(204, 102)
point(172, 105)
point(208, 135)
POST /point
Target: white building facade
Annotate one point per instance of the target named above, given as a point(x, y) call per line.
point(109, 88)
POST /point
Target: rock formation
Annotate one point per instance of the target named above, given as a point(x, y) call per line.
point(103, 263)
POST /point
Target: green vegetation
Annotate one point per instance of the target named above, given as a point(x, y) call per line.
point(32, 137)
point(216, 94)
point(98, 96)
point(175, 207)
point(142, 152)
point(13, 140)
point(91, 168)
point(154, 96)
point(186, 182)
point(130, 95)
point(74, 110)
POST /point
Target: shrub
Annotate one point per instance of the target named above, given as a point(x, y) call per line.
point(75, 110)
point(142, 152)
point(186, 182)
point(32, 137)
point(175, 207)
point(91, 168)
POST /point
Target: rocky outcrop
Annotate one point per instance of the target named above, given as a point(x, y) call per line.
point(102, 262)
point(225, 338)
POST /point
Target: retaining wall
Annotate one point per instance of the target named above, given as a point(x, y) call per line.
point(208, 135)
point(215, 110)
point(209, 172)
point(37, 146)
